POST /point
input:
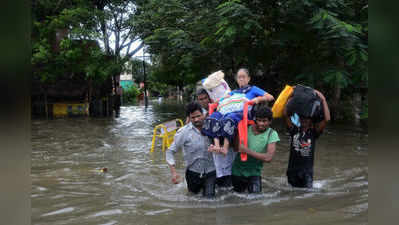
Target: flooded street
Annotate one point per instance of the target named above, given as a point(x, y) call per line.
point(69, 188)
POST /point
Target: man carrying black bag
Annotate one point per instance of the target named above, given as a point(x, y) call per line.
point(305, 125)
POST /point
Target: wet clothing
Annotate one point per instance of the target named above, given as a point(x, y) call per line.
point(218, 125)
point(224, 122)
point(247, 175)
point(300, 164)
point(253, 184)
point(257, 143)
point(200, 168)
point(223, 164)
point(195, 149)
point(302, 178)
point(224, 181)
point(197, 181)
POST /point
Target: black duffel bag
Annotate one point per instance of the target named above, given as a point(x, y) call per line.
point(306, 103)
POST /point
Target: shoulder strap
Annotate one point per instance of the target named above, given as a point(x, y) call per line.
point(268, 137)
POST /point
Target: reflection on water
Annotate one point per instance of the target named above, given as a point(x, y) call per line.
point(69, 188)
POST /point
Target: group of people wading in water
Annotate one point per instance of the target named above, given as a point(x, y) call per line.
point(210, 142)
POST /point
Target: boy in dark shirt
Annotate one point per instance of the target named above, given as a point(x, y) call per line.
point(303, 141)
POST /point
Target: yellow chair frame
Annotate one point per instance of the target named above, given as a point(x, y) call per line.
point(167, 136)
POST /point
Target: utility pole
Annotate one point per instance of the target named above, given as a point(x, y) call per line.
point(145, 84)
point(145, 80)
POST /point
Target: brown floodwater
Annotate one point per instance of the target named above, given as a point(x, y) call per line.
point(69, 188)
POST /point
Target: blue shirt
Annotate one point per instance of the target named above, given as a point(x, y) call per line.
point(252, 93)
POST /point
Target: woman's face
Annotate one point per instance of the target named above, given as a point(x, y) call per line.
point(242, 78)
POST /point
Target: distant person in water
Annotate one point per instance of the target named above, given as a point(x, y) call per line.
point(303, 145)
point(200, 168)
point(262, 141)
point(221, 125)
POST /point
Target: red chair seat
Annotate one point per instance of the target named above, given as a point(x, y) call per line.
point(242, 126)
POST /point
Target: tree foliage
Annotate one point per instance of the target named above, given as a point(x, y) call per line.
point(320, 43)
point(74, 37)
point(130, 95)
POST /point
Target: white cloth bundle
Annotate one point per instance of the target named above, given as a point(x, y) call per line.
point(216, 86)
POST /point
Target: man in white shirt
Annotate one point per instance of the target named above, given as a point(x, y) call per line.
point(200, 167)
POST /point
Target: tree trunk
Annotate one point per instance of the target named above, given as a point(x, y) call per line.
point(145, 83)
point(45, 104)
point(336, 101)
point(89, 91)
point(180, 93)
point(103, 26)
point(357, 106)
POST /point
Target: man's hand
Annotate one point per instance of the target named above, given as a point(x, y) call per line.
point(175, 178)
point(212, 148)
point(242, 149)
point(268, 157)
point(223, 151)
point(256, 101)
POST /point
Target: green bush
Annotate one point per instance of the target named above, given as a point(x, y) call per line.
point(130, 94)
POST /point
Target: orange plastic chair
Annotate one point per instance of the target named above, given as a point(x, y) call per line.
point(242, 126)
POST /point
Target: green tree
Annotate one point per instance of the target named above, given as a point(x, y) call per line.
point(59, 25)
point(173, 31)
point(320, 43)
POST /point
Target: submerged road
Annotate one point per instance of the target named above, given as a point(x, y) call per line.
point(69, 188)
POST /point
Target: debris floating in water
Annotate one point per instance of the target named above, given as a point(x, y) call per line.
point(104, 170)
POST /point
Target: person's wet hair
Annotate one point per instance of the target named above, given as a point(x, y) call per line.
point(264, 112)
point(192, 107)
point(202, 91)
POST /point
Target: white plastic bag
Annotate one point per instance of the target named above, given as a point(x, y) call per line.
point(216, 86)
